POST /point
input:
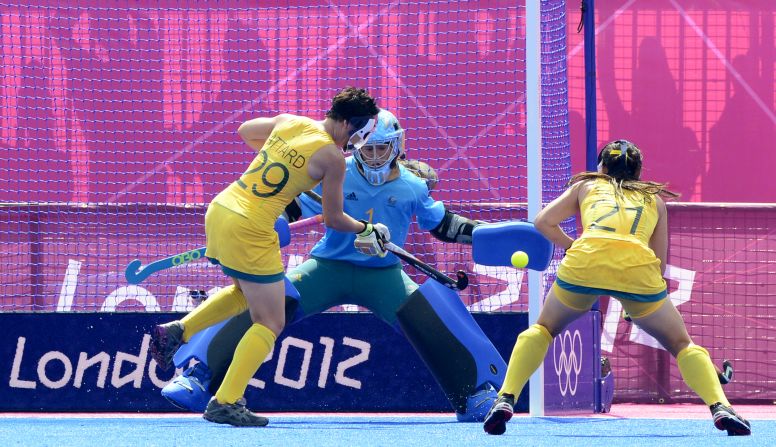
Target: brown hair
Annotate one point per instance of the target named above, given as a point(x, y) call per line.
point(352, 102)
point(622, 160)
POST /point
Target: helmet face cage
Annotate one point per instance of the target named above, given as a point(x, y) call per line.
point(363, 126)
point(376, 157)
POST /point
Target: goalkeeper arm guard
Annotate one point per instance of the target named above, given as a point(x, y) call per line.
point(455, 228)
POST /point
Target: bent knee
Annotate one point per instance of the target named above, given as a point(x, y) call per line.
point(276, 328)
point(274, 325)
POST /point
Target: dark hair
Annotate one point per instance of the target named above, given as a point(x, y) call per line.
point(622, 160)
point(352, 102)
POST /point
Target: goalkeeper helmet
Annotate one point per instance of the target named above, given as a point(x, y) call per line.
point(378, 156)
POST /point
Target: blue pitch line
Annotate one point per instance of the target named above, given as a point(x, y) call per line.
point(291, 431)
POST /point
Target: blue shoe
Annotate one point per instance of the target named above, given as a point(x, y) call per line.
point(478, 404)
point(189, 391)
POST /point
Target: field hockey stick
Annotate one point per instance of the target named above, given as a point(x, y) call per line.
point(135, 273)
point(460, 283)
point(725, 374)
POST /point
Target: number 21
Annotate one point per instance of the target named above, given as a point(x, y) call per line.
point(638, 209)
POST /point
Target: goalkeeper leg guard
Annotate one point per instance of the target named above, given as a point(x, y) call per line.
point(699, 374)
point(253, 348)
point(189, 391)
point(214, 349)
point(528, 353)
point(459, 355)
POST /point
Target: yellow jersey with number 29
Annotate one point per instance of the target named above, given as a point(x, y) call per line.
point(613, 252)
point(240, 221)
point(278, 173)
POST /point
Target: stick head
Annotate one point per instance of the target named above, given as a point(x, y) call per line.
point(462, 280)
point(131, 273)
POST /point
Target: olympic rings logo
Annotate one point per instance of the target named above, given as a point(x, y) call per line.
point(568, 364)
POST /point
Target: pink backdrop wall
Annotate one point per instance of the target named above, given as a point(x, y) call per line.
point(692, 84)
point(141, 104)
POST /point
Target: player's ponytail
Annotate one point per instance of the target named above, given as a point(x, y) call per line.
point(622, 161)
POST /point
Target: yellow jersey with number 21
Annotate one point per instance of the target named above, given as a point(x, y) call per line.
point(613, 252)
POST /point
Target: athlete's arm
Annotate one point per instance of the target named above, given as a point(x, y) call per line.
point(328, 165)
point(256, 131)
point(659, 240)
point(548, 220)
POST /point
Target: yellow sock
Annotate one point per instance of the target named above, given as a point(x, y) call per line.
point(226, 303)
point(699, 374)
point(528, 353)
point(250, 353)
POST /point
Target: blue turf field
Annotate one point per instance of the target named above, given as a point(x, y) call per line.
point(373, 431)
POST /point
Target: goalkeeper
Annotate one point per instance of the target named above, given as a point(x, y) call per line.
point(377, 187)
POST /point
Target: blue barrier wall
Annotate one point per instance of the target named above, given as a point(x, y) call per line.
point(329, 362)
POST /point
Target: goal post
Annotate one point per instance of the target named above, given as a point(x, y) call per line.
point(533, 61)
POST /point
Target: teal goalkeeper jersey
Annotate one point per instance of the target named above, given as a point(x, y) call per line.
point(393, 204)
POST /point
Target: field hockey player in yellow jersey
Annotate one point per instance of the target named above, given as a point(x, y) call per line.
point(621, 253)
point(295, 153)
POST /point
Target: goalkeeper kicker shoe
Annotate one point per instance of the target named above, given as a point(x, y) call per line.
point(165, 340)
point(478, 404)
point(190, 391)
point(727, 419)
point(498, 416)
point(236, 414)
